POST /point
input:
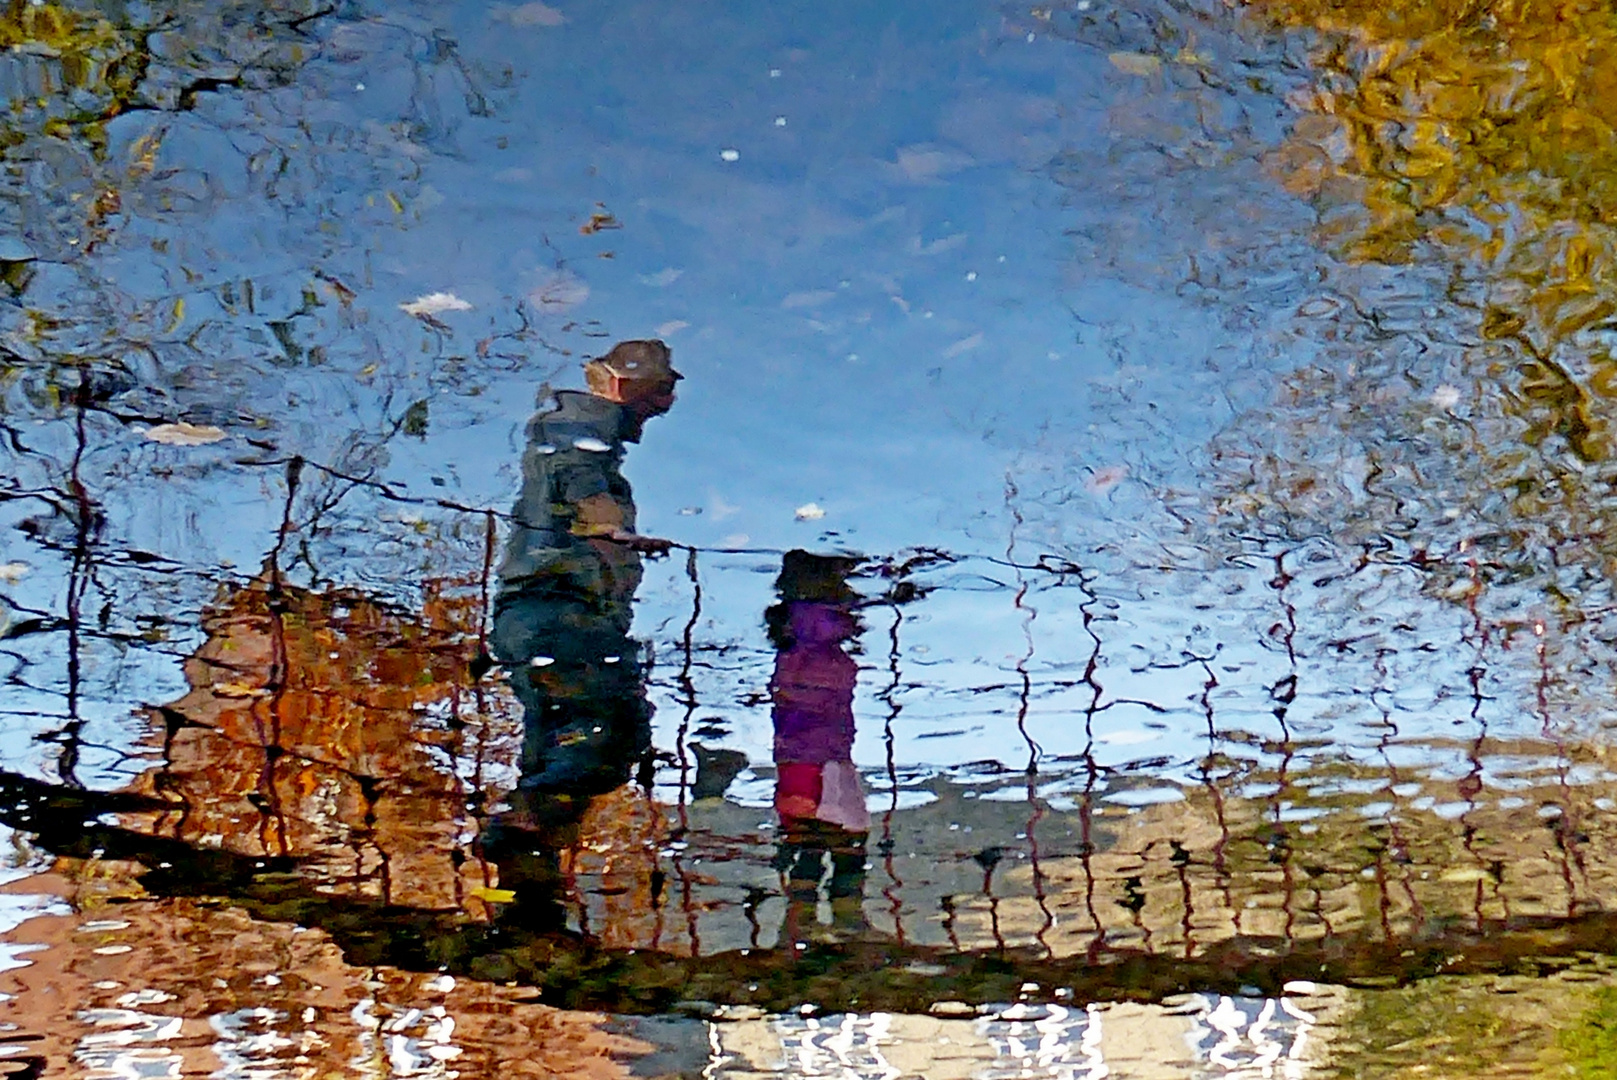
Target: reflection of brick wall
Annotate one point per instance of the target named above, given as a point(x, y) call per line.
point(614, 866)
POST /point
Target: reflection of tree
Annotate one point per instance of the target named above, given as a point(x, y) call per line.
point(327, 728)
point(1481, 136)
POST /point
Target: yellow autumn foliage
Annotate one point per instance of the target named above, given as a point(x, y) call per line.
point(1482, 135)
point(53, 27)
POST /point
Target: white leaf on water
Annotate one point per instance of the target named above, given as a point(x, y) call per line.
point(810, 299)
point(671, 327)
point(184, 434)
point(730, 155)
point(434, 303)
point(13, 572)
point(1446, 397)
point(923, 162)
point(662, 278)
point(964, 345)
point(939, 246)
point(593, 445)
point(559, 290)
point(533, 14)
point(810, 512)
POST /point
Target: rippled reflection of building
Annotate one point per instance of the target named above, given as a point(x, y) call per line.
point(345, 733)
point(335, 729)
point(1198, 1035)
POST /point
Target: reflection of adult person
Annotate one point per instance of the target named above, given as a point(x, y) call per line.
point(818, 795)
point(562, 617)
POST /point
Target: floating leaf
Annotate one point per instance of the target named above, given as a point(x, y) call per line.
point(532, 14)
point(493, 896)
point(1106, 478)
point(662, 278)
point(1132, 63)
point(558, 290)
point(184, 434)
point(434, 303)
point(237, 690)
point(810, 512)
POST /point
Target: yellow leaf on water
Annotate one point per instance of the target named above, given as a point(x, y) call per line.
point(493, 896)
point(1132, 63)
point(237, 690)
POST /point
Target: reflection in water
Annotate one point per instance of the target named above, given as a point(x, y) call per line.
point(562, 617)
point(1285, 330)
point(818, 794)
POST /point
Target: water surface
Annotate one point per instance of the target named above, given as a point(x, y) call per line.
point(1122, 587)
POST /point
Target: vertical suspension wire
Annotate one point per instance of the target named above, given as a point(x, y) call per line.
point(476, 803)
point(1563, 828)
point(1092, 771)
point(689, 700)
point(1221, 846)
point(893, 890)
point(1024, 698)
point(267, 712)
point(78, 585)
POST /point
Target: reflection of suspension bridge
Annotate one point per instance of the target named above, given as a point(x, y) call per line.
point(354, 806)
point(336, 760)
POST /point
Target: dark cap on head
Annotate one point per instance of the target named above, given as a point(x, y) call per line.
point(639, 361)
point(822, 578)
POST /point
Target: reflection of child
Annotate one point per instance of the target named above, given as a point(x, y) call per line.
point(812, 693)
point(818, 795)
